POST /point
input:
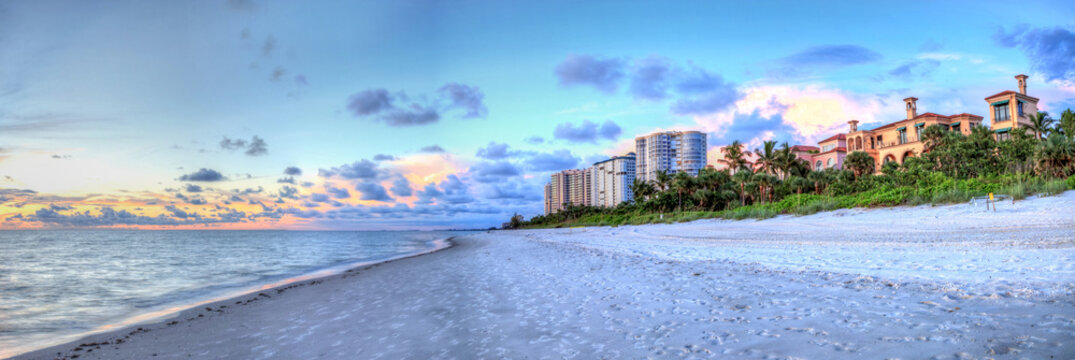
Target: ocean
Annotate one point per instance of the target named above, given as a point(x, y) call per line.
point(59, 285)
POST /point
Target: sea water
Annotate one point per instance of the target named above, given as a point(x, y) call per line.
point(56, 286)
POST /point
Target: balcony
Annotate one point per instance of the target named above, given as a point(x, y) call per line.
point(910, 140)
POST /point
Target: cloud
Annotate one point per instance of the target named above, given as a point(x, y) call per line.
point(268, 46)
point(555, 161)
point(494, 151)
point(704, 93)
point(107, 216)
point(823, 58)
point(435, 149)
point(401, 187)
point(513, 191)
point(288, 192)
point(832, 55)
point(915, 68)
point(203, 174)
point(399, 110)
point(650, 78)
point(588, 131)
point(697, 91)
point(363, 169)
point(255, 147)
point(193, 188)
point(487, 172)
point(1049, 49)
point(372, 191)
point(535, 140)
point(603, 74)
point(291, 170)
point(370, 102)
point(277, 73)
point(338, 193)
point(807, 113)
point(383, 157)
point(465, 97)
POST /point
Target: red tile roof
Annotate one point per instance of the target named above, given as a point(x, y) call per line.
point(1009, 92)
point(834, 137)
point(804, 148)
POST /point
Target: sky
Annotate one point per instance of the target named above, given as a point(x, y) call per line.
point(386, 115)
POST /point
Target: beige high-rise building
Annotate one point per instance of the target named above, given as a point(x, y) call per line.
point(568, 187)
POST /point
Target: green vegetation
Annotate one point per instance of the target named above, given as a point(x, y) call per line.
point(953, 169)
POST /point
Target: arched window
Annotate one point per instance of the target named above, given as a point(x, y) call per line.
point(829, 163)
point(817, 165)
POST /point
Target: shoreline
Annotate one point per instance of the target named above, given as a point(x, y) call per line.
point(110, 332)
point(952, 282)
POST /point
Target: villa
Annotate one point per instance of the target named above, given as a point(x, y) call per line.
point(899, 140)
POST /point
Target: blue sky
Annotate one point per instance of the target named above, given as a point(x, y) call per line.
point(109, 105)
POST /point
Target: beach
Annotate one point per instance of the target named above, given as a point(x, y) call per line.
point(944, 282)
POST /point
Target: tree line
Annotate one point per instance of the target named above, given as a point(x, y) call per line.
point(952, 167)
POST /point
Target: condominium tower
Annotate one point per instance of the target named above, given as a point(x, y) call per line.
point(612, 180)
point(572, 187)
point(670, 151)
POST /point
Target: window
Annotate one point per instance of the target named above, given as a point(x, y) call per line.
point(817, 165)
point(1004, 136)
point(955, 127)
point(1020, 107)
point(829, 162)
point(903, 136)
point(1000, 113)
point(827, 147)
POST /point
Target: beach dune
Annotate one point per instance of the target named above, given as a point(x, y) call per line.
point(948, 282)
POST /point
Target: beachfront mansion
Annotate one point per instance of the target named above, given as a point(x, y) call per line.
point(608, 183)
point(899, 140)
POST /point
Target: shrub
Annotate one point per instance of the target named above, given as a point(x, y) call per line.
point(1054, 187)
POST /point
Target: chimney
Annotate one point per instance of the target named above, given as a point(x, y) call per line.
point(1022, 83)
point(854, 126)
point(912, 110)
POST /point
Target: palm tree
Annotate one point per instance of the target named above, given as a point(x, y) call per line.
point(663, 180)
point(820, 180)
point(765, 184)
point(734, 156)
point(1056, 156)
point(1040, 124)
point(641, 189)
point(860, 163)
point(742, 178)
point(683, 183)
point(1066, 125)
point(767, 157)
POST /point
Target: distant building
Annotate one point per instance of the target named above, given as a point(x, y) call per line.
point(612, 180)
point(568, 187)
point(671, 151)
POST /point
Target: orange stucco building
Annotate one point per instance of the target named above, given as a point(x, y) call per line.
point(899, 140)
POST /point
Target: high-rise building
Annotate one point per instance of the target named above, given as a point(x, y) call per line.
point(612, 180)
point(568, 187)
point(670, 151)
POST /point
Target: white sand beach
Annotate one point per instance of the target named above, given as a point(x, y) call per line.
point(947, 282)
